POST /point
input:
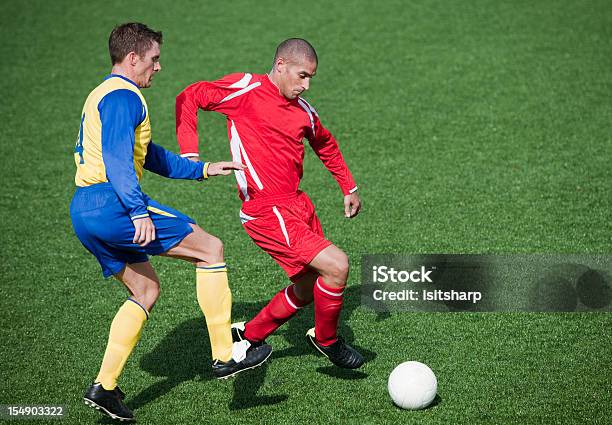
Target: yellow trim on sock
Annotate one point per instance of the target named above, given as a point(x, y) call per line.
point(212, 268)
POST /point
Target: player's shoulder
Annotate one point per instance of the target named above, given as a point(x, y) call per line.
point(240, 80)
point(114, 82)
point(114, 89)
point(121, 97)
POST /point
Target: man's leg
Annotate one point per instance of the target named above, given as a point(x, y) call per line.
point(325, 283)
point(215, 300)
point(212, 287)
point(143, 285)
point(292, 234)
point(333, 268)
point(283, 306)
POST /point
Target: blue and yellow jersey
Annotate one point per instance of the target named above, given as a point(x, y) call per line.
point(114, 144)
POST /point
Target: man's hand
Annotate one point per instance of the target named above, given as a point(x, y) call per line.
point(352, 205)
point(224, 168)
point(145, 231)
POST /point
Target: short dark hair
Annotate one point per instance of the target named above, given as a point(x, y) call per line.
point(293, 47)
point(131, 37)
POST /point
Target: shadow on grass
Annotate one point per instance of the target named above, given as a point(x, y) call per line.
point(184, 355)
point(347, 374)
point(246, 386)
point(435, 402)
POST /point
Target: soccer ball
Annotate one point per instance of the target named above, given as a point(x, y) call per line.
point(412, 385)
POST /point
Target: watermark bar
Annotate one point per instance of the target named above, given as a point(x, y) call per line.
point(481, 283)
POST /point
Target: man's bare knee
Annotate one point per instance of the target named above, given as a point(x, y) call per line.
point(215, 250)
point(142, 283)
point(333, 266)
point(336, 273)
point(198, 247)
point(148, 296)
point(210, 253)
point(203, 247)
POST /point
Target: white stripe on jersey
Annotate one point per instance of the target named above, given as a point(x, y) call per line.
point(240, 92)
point(306, 107)
point(282, 224)
point(238, 152)
point(310, 107)
point(250, 166)
point(245, 217)
point(242, 83)
point(240, 176)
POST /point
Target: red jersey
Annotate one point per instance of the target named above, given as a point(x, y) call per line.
point(266, 131)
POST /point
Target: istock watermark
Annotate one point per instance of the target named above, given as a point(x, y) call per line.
point(524, 282)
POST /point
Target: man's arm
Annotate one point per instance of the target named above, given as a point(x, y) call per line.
point(171, 165)
point(168, 164)
point(120, 113)
point(326, 148)
point(209, 96)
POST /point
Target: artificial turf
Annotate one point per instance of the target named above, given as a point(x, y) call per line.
point(474, 127)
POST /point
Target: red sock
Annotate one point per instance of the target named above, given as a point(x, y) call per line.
point(281, 308)
point(327, 306)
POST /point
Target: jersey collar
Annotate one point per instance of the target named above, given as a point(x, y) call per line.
point(122, 77)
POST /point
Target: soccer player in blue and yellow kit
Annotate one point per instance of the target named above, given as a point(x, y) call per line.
point(121, 226)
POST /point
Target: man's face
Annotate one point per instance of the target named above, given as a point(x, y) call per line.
point(146, 66)
point(294, 76)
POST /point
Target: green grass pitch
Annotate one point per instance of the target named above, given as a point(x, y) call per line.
point(471, 127)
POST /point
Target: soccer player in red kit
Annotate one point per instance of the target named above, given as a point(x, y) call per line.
point(267, 121)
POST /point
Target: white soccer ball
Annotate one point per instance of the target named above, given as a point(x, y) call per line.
point(412, 385)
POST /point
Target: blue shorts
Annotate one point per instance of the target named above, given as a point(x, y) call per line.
point(104, 227)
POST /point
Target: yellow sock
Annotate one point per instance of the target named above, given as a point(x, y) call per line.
point(124, 334)
point(215, 299)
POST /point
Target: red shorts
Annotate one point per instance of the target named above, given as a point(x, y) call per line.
point(287, 228)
